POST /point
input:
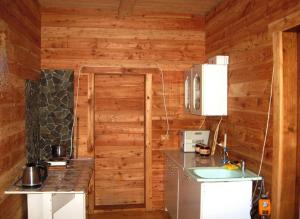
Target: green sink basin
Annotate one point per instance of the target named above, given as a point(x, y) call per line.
point(221, 174)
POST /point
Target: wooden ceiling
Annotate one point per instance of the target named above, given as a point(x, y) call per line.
point(137, 7)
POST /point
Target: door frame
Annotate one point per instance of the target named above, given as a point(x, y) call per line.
point(147, 73)
point(285, 115)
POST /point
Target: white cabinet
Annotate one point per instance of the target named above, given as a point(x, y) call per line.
point(56, 205)
point(206, 93)
point(219, 60)
point(226, 200)
point(189, 193)
point(171, 188)
point(214, 200)
point(186, 198)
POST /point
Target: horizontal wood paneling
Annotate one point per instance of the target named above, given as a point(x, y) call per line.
point(124, 8)
point(22, 28)
point(75, 37)
point(240, 29)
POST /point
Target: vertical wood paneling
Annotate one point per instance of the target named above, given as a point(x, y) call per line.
point(285, 123)
point(22, 32)
point(91, 113)
point(73, 37)
point(148, 141)
point(297, 201)
point(84, 111)
point(240, 29)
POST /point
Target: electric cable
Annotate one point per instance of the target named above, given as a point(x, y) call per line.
point(215, 139)
point(202, 122)
point(266, 133)
point(75, 110)
point(164, 99)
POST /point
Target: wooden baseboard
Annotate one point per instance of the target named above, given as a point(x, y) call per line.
point(116, 208)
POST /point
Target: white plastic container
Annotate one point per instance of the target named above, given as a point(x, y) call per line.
point(221, 60)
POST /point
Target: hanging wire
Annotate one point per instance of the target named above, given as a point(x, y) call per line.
point(164, 99)
point(266, 133)
point(75, 111)
point(202, 123)
point(215, 139)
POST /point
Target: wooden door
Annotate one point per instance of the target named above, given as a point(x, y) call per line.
point(119, 141)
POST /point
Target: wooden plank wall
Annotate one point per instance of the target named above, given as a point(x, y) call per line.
point(297, 201)
point(23, 40)
point(240, 29)
point(74, 37)
point(81, 133)
point(129, 7)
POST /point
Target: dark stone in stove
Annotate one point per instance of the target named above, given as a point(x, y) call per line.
point(56, 80)
point(59, 94)
point(49, 112)
point(32, 124)
point(43, 82)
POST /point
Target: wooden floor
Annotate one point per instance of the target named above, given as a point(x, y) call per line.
point(131, 215)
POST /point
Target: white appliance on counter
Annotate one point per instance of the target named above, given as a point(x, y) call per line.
point(189, 139)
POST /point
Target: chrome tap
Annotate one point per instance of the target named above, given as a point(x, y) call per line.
point(225, 155)
point(225, 152)
point(243, 168)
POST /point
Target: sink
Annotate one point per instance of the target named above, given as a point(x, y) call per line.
point(217, 173)
point(221, 174)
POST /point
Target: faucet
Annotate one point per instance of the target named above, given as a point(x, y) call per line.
point(225, 155)
point(243, 168)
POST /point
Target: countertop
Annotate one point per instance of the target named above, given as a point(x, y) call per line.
point(190, 159)
point(73, 179)
point(193, 160)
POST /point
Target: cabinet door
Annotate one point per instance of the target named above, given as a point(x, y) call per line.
point(209, 90)
point(171, 188)
point(222, 200)
point(189, 197)
point(214, 90)
point(196, 90)
point(187, 91)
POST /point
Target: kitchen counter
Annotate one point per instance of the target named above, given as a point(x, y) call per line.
point(62, 195)
point(188, 161)
point(75, 178)
point(191, 160)
point(188, 195)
